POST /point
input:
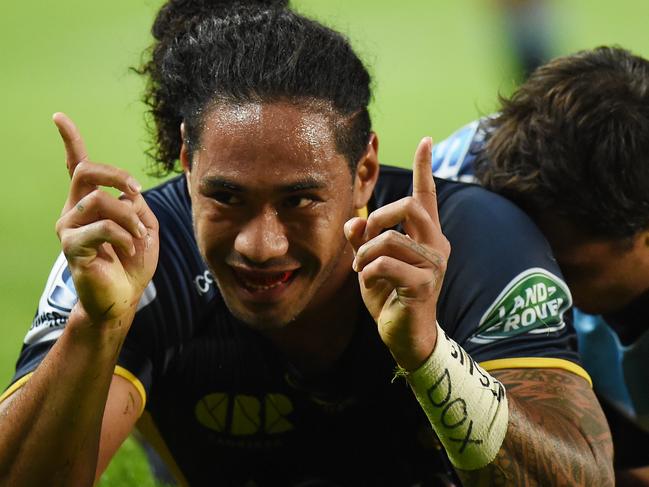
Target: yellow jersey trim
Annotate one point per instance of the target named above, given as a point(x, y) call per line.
point(147, 428)
point(122, 372)
point(536, 363)
point(119, 370)
point(15, 386)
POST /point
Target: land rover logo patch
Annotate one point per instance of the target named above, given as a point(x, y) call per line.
point(533, 302)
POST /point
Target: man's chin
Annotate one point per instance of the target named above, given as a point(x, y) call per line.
point(262, 320)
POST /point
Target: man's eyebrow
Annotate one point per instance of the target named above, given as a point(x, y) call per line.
point(218, 183)
point(304, 185)
point(215, 183)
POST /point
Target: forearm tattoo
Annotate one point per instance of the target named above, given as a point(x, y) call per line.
point(557, 434)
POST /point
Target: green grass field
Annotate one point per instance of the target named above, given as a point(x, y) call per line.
point(436, 65)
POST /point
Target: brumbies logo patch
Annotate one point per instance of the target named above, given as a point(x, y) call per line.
point(533, 302)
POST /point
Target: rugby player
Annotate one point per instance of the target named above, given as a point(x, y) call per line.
point(287, 311)
point(570, 147)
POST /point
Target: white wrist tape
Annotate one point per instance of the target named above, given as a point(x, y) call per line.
point(466, 406)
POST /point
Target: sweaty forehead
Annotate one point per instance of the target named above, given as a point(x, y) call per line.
point(269, 137)
point(306, 125)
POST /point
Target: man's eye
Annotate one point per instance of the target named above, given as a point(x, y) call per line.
point(298, 201)
point(226, 198)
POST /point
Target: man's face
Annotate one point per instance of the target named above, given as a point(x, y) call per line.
point(603, 275)
point(270, 195)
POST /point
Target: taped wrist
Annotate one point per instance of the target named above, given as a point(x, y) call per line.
point(466, 406)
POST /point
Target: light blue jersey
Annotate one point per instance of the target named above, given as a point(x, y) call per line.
point(620, 373)
point(453, 158)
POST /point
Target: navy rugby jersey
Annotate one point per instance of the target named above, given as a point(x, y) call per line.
point(223, 407)
point(614, 349)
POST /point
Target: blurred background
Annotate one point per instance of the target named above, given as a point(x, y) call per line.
point(436, 66)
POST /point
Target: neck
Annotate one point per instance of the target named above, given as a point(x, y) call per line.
point(314, 341)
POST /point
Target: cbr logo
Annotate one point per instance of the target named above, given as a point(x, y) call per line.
point(203, 282)
point(244, 415)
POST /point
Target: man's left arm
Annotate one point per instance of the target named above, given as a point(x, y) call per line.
point(557, 433)
point(518, 426)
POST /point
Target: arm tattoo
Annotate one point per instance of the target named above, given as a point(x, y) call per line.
point(130, 404)
point(557, 434)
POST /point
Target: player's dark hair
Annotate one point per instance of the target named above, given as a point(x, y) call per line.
point(574, 139)
point(206, 52)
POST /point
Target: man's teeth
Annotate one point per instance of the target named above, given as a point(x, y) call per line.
point(264, 284)
point(262, 287)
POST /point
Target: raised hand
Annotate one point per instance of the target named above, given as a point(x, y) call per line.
point(401, 274)
point(111, 244)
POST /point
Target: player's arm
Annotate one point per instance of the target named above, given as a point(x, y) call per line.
point(122, 410)
point(517, 431)
point(557, 433)
point(50, 430)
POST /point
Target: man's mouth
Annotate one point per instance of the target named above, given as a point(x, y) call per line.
point(263, 280)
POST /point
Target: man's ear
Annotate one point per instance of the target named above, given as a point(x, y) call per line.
point(185, 158)
point(367, 173)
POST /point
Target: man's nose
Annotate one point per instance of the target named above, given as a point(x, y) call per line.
point(263, 237)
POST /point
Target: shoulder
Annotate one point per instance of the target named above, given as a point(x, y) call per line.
point(485, 227)
point(488, 213)
point(454, 198)
point(466, 208)
point(501, 272)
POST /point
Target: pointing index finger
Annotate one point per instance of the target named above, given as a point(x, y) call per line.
point(423, 184)
point(75, 148)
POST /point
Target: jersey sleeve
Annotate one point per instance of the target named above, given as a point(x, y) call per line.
point(504, 298)
point(180, 291)
point(54, 307)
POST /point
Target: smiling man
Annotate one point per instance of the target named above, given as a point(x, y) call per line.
point(249, 315)
point(273, 243)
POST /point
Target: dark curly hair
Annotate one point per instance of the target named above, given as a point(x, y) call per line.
point(211, 51)
point(574, 140)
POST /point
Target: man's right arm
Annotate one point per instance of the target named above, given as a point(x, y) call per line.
point(50, 428)
point(50, 431)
